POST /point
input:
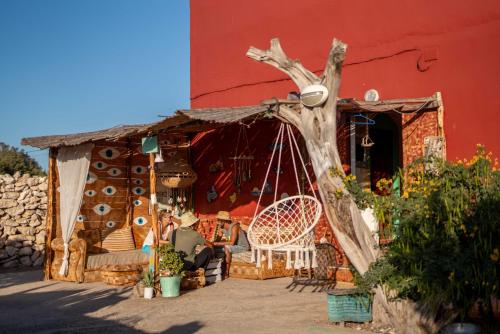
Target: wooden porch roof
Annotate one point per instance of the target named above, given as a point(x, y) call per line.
point(206, 118)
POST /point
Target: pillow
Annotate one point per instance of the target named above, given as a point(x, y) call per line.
point(118, 240)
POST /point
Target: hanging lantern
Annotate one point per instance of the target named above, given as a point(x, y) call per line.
point(314, 95)
point(176, 173)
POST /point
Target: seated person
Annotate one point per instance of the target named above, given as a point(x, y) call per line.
point(236, 238)
point(185, 239)
point(168, 222)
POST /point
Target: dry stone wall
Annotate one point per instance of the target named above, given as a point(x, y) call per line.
point(23, 204)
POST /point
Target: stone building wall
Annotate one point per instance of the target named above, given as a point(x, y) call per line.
point(23, 204)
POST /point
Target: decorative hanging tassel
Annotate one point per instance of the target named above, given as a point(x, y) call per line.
point(307, 261)
point(259, 257)
point(252, 259)
point(270, 260)
point(288, 259)
point(314, 261)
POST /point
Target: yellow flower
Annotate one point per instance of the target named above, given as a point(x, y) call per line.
point(451, 277)
point(495, 255)
point(405, 194)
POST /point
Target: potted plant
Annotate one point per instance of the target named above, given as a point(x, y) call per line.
point(149, 282)
point(170, 266)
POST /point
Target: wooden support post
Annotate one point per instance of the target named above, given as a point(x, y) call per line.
point(440, 116)
point(50, 220)
point(154, 213)
point(129, 206)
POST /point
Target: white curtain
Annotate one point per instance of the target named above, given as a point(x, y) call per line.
point(73, 166)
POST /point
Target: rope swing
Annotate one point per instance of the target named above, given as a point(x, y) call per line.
point(287, 224)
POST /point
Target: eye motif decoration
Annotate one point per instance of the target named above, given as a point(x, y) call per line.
point(110, 224)
point(137, 182)
point(140, 221)
point(91, 178)
point(109, 153)
point(138, 169)
point(109, 190)
point(90, 193)
point(101, 209)
point(138, 190)
point(100, 165)
point(114, 171)
point(81, 218)
point(137, 202)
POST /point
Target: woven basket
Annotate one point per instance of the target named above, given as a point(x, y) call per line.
point(346, 305)
point(121, 274)
point(250, 271)
point(176, 173)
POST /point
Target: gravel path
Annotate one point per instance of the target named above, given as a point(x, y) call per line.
point(29, 305)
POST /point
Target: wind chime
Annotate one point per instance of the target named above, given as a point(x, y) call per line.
point(177, 176)
point(242, 160)
point(366, 141)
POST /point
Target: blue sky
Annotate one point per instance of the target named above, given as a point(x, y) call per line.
point(73, 66)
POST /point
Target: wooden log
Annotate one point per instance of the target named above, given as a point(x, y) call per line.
point(129, 207)
point(440, 116)
point(50, 221)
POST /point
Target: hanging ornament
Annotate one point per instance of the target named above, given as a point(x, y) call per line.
point(255, 191)
point(242, 160)
point(268, 188)
point(212, 194)
point(216, 167)
point(233, 197)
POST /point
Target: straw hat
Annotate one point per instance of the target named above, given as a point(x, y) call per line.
point(223, 215)
point(188, 219)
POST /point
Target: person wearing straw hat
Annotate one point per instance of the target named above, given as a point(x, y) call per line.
point(185, 239)
point(237, 241)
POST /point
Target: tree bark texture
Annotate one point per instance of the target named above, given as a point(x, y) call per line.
point(318, 126)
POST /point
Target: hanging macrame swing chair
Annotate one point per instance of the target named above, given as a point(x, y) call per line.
point(287, 224)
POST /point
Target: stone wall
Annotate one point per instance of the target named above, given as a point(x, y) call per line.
point(23, 204)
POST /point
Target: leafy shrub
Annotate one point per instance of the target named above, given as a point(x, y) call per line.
point(446, 246)
point(170, 262)
point(13, 160)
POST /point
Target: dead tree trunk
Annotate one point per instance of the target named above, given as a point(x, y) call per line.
point(318, 127)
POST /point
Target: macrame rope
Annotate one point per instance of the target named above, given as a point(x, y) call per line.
point(304, 166)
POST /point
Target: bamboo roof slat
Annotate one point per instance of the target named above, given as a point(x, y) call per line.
point(204, 119)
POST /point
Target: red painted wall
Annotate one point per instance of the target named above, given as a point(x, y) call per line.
point(455, 43)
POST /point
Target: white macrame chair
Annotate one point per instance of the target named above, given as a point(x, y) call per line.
point(287, 224)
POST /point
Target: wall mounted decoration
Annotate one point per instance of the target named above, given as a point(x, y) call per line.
point(100, 165)
point(212, 194)
point(114, 171)
point(233, 197)
point(176, 173)
point(268, 188)
point(109, 153)
point(81, 218)
point(109, 190)
point(137, 182)
point(110, 224)
point(101, 209)
point(137, 202)
point(149, 144)
point(91, 178)
point(139, 169)
point(138, 190)
point(255, 191)
point(216, 166)
point(140, 221)
point(90, 193)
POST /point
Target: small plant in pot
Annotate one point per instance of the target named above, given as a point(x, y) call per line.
point(170, 266)
point(149, 281)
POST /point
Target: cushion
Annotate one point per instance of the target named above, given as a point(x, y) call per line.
point(130, 257)
point(118, 240)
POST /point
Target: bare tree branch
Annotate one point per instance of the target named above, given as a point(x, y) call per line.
point(277, 58)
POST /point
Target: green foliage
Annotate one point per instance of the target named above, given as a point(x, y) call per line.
point(170, 262)
point(148, 279)
point(446, 248)
point(13, 160)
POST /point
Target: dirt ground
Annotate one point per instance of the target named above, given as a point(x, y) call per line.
point(29, 305)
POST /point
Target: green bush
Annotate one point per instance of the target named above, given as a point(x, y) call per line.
point(445, 250)
point(13, 160)
point(169, 261)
